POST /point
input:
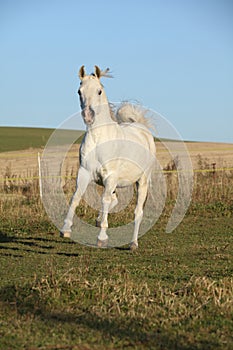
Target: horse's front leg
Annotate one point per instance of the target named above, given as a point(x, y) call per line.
point(83, 180)
point(114, 202)
point(107, 200)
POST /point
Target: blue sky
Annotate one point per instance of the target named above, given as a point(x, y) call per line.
point(173, 56)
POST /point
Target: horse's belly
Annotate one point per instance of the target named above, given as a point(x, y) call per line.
point(125, 183)
point(129, 174)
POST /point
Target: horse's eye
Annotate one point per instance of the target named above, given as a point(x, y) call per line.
point(99, 92)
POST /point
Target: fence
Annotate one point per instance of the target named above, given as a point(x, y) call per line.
point(11, 179)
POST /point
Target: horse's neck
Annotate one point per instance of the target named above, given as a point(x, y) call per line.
point(103, 114)
point(103, 126)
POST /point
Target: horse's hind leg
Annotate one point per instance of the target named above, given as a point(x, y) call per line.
point(141, 197)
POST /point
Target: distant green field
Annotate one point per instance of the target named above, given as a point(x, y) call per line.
point(14, 138)
point(19, 138)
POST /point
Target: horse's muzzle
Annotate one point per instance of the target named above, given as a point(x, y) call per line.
point(88, 115)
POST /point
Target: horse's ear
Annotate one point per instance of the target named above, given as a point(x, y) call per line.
point(81, 73)
point(97, 72)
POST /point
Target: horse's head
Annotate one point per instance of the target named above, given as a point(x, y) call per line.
point(91, 93)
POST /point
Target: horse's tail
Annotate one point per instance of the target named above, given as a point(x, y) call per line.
point(129, 113)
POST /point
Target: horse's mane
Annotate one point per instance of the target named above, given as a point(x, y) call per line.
point(129, 113)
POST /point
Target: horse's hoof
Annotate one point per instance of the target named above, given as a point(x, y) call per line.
point(65, 234)
point(133, 246)
point(102, 244)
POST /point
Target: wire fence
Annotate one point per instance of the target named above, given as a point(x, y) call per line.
point(211, 168)
point(213, 181)
point(35, 158)
point(31, 178)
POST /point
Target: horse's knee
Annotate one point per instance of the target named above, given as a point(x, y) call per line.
point(106, 203)
point(114, 201)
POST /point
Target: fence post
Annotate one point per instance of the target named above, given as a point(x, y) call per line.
point(40, 180)
point(214, 171)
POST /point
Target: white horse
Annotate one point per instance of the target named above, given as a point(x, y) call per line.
point(117, 150)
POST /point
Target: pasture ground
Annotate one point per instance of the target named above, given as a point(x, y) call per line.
point(175, 292)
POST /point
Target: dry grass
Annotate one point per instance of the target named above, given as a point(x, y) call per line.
point(130, 313)
point(120, 296)
point(23, 164)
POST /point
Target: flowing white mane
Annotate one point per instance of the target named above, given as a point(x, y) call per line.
point(129, 113)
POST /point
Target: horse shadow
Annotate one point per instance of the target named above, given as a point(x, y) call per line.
point(45, 245)
point(10, 245)
point(4, 238)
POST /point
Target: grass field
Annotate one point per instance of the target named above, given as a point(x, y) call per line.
point(175, 292)
point(14, 138)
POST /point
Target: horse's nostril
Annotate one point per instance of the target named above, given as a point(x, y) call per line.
point(88, 115)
